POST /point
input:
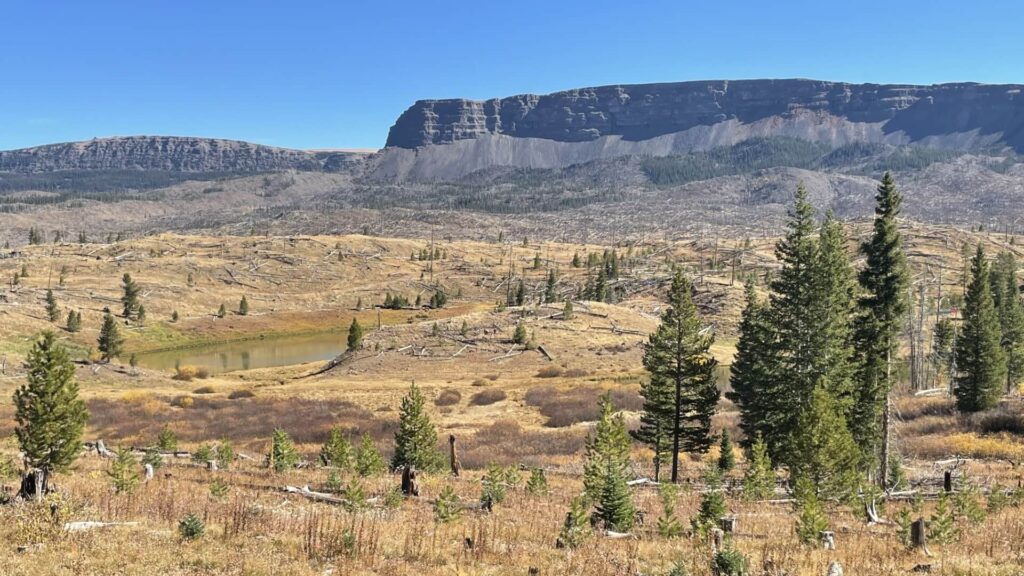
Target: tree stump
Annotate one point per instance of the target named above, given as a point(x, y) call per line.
point(410, 487)
point(211, 465)
point(717, 540)
point(834, 569)
point(147, 472)
point(454, 456)
point(102, 450)
point(727, 524)
point(919, 535)
point(34, 484)
point(828, 540)
point(947, 481)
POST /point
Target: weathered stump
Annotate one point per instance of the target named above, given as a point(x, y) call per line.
point(410, 486)
point(453, 456)
point(717, 540)
point(147, 472)
point(947, 481)
point(34, 484)
point(834, 569)
point(919, 535)
point(211, 465)
point(828, 540)
point(727, 524)
point(102, 450)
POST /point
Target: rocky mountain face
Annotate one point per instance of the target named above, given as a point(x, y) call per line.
point(442, 139)
point(167, 153)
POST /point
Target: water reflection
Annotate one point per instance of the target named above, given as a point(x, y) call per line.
point(250, 354)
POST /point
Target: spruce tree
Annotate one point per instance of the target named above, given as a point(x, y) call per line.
point(109, 341)
point(416, 438)
point(368, 460)
point(607, 450)
point(355, 335)
point(74, 322)
point(243, 306)
point(824, 450)
point(337, 451)
point(1006, 296)
point(520, 294)
point(811, 519)
point(283, 455)
point(550, 290)
point(682, 376)
point(754, 387)
point(759, 479)
point(222, 311)
point(52, 310)
point(124, 471)
point(130, 298)
point(49, 416)
point(668, 523)
point(834, 312)
point(712, 503)
point(726, 458)
point(615, 504)
point(883, 282)
point(980, 360)
point(567, 311)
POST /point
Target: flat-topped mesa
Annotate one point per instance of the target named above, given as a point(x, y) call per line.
point(170, 153)
point(991, 114)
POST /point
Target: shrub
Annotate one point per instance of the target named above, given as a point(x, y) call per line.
point(283, 455)
point(202, 373)
point(549, 372)
point(203, 390)
point(730, 562)
point(185, 373)
point(1001, 419)
point(448, 398)
point(447, 506)
point(565, 407)
point(191, 527)
point(240, 394)
point(487, 397)
point(218, 489)
point(575, 373)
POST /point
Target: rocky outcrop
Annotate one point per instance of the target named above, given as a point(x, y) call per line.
point(170, 153)
point(993, 113)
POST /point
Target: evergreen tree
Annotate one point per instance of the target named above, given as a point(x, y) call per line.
point(753, 386)
point(600, 293)
point(124, 472)
point(175, 316)
point(49, 416)
point(519, 336)
point(52, 310)
point(224, 454)
point(811, 519)
point(1006, 297)
point(416, 438)
point(607, 451)
point(824, 450)
point(576, 528)
point(834, 312)
point(167, 441)
point(140, 313)
point(726, 458)
point(943, 335)
point(520, 294)
point(109, 341)
point(883, 282)
point(615, 505)
point(368, 459)
point(130, 298)
point(980, 360)
point(243, 306)
point(355, 335)
point(567, 311)
point(283, 455)
point(337, 451)
point(550, 290)
point(537, 484)
point(759, 479)
point(682, 376)
point(222, 311)
point(447, 507)
point(576, 260)
point(74, 322)
point(712, 503)
point(668, 524)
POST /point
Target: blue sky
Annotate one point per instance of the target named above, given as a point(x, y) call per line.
point(319, 74)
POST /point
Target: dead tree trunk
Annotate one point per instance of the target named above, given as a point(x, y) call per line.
point(454, 456)
point(828, 540)
point(727, 524)
point(919, 536)
point(410, 487)
point(34, 484)
point(947, 481)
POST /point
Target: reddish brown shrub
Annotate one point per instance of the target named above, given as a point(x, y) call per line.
point(448, 398)
point(487, 397)
point(565, 407)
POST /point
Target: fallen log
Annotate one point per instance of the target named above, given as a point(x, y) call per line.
point(89, 525)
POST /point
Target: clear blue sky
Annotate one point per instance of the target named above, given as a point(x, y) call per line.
point(335, 74)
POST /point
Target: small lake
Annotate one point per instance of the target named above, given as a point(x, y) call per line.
point(249, 354)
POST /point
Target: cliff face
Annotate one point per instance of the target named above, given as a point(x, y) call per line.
point(987, 113)
point(170, 153)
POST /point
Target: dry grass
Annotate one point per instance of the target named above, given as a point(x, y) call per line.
point(565, 407)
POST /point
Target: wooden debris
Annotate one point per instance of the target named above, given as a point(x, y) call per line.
point(89, 525)
point(410, 486)
point(919, 536)
point(453, 456)
point(828, 540)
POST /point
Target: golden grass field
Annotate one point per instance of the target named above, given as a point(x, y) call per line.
point(507, 406)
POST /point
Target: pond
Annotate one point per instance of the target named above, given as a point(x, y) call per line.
point(249, 354)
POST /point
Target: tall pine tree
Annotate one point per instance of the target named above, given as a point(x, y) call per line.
point(980, 360)
point(416, 438)
point(884, 281)
point(682, 368)
point(1006, 297)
